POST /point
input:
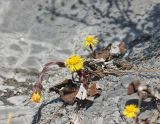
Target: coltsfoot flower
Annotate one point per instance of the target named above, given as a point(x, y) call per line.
point(74, 63)
point(36, 97)
point(131, 111)
point(91, 40)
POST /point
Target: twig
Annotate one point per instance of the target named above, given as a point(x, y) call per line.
point(140, 71)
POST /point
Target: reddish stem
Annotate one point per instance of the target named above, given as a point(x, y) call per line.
point(38, 85)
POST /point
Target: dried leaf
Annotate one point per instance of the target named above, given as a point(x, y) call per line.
point(126, 66)
point(133, 87)
point(69, 98)
point(92, 89)
point(65, 83)
point(67, 91)
point(82, 93)
point(122, 48)
point(115, 49)
point(76, 119)
point(103, 54)
point(122, 65)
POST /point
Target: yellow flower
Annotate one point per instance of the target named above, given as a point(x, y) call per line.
point(74, 63)
point(91, 40)
point(36, 97)
point(131, 111)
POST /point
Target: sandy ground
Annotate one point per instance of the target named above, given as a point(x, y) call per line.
point(34, 32)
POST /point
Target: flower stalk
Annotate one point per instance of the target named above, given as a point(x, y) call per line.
point(37, 88)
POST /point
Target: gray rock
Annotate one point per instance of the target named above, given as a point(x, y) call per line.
point(4, 88)
point(145, 47)
point(1, 81)
point(19, 114)
point(1, 103)
point(17, 100)
point(12, 60)
point(146, 114)
point(48, 27)
point(127, 79)
point(97, 120)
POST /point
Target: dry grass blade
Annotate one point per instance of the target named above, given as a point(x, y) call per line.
point(9, 120)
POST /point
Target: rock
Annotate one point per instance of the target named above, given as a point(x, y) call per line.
point(97, 120)
point(127, 79)
point(17, 100)
point(144, 47)
point(14, 92)
point(145, 114)
point(1, 81)
point(1, 103)
point(4, 88)
point(19, 114)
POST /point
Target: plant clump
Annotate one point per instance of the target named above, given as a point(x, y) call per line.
point(85, 71)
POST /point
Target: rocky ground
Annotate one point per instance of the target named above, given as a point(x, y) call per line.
point(107, 109)
point(33, 33)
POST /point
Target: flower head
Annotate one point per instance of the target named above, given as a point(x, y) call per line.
point(36, 97)
point(74, 63)
point(131, 111)
point(91, 40)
